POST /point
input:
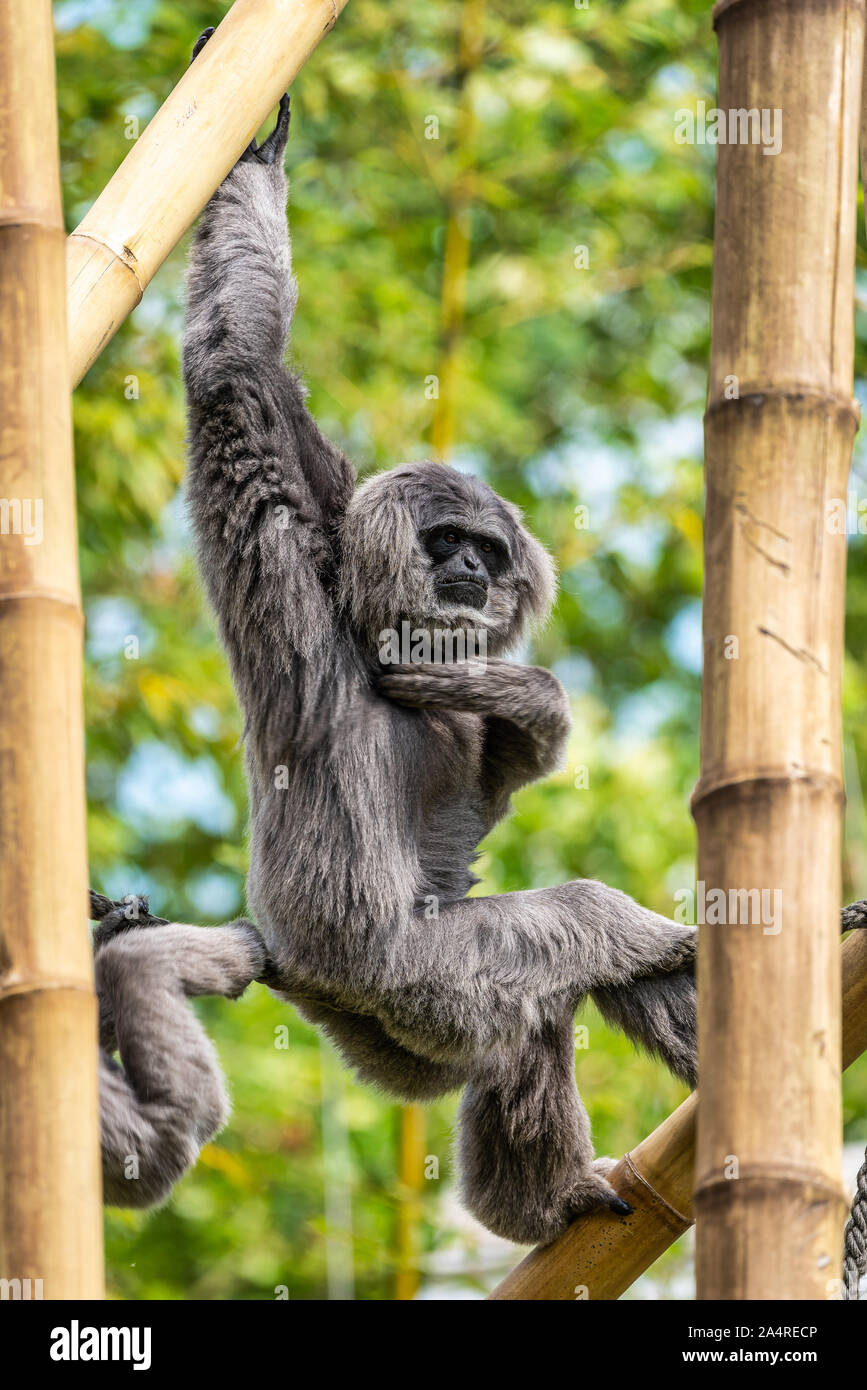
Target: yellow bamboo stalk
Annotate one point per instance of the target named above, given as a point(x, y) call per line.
point(768, 1196)
point(456, 259)
point(411, 1144)
point(50, 1199)
point(600, 1256)
point(180, 158)
point(456, 256)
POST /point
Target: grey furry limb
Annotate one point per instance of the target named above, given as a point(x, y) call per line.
point(854, 916)
point(166, 1098)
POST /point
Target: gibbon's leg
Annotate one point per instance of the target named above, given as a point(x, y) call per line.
point(168, 1099)
point(526, 1158)
point(497, 969)
point(659, 1014)
point(527, 1166)
point(377, 1059)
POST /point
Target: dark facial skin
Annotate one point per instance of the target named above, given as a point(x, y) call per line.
point(464, 564)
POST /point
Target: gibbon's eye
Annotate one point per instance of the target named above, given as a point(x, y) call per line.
point(487, 547)
point(450, 538)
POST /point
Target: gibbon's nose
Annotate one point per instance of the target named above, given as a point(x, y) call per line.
point(470, 560)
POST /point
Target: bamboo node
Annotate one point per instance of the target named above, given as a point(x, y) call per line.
point(724, 7)
point(755, 396)
point(38, 984)
point(754, 1180)
point(124, 255)
point(40, 219)
point(756, 783)
point(669, 1213)
point(68, 605)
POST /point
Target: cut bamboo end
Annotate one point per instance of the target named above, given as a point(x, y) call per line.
point(181, 158)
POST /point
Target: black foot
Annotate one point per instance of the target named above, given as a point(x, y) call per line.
point(274, 144)
point(200, 42)
point(618, 1205)
point(272, 147)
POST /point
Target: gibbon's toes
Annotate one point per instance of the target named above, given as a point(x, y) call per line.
point(603, 1165)
point(273, 146)
point(124, 915)
point(618, 1205)
point(594, 1190)
point(200, 42)
point(855, 915)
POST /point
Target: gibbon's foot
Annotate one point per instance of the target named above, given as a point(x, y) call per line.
point(274, 144)
point(855, 915)
point(119, 916)
point(271, 149)
point(678, 952)
point(594, 1190)
point(200, 42)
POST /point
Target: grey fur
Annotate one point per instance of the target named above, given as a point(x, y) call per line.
point(370, 789)
point(169, 1099)
point(393, 777)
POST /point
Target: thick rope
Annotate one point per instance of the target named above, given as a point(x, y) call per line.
point(855, 1238)
point(855, 1235)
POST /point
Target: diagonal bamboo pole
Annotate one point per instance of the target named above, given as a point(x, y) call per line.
point(50, 1199)
point(599, 1256)
point(180, 158)
point(768, 1198)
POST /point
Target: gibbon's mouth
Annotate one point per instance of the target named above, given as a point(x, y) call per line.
point(462, 592)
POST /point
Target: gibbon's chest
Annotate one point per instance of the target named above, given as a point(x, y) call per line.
point(446, 810)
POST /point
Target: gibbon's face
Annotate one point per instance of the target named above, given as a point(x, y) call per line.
point(464, 564)
point(440, 549)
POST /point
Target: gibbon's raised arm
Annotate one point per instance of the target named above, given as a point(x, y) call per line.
point(266, 489)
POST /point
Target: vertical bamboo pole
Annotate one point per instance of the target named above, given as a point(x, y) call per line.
point(778, 433)
point(412, 1129)
point(50, 1203)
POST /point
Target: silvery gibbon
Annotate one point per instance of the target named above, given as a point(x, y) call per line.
point(371, 785)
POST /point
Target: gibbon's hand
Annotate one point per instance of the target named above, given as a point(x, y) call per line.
point(459, 685)
point(529, 696)
point(271, 148)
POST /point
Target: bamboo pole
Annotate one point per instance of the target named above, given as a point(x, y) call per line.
point(412, 1129)
point(50, 1200)
point(600, 1256)
point(768, 1196)
point(180, 158)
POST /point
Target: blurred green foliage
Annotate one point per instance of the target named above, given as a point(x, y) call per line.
point(577, 388)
